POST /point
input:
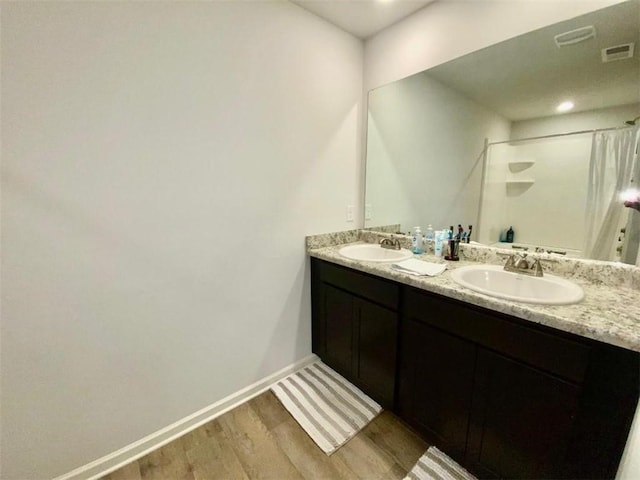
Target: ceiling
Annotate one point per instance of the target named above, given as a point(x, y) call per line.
point(507, 77)
point(362, 18)
point(528, 76)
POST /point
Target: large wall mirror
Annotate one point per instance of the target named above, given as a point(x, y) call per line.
point(490, 140)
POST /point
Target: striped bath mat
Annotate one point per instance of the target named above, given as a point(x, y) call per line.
point(435, 465)
point(329, 408)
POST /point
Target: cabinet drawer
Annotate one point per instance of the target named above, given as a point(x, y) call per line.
point(536, 345)
point(378, 290)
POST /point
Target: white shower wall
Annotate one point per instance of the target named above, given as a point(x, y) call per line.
point(550, 211)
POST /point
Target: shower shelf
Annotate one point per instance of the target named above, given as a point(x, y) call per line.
point(516, 166)
point(515, 188)
point(521, 182)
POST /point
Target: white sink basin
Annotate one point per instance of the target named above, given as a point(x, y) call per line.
point(493, 280)
point(371, 252)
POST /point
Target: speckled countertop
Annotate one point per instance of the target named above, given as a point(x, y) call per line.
point(610, 312)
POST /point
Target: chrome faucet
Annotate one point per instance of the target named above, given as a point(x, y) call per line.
point(519, 264)
point(391, 243)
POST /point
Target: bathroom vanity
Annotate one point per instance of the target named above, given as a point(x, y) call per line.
point(506, 396)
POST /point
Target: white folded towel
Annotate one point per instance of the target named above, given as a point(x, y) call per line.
point(420, 267)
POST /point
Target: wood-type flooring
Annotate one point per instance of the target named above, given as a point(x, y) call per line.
point(260, 440)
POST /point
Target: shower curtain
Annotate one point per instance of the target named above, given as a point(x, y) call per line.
point(613, 168)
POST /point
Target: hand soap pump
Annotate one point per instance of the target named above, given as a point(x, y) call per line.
point(416, 241)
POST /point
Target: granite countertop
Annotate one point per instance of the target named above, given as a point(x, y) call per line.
point(610, 314)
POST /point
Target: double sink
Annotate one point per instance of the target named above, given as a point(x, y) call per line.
point(490, 280)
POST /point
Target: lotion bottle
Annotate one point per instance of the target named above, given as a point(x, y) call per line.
point(439, 241)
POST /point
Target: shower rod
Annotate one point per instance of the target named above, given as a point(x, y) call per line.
point(557, 135)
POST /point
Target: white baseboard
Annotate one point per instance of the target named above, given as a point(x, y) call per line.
point(142, 447)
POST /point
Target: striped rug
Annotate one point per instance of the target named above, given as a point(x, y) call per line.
point(435, 465)
point(329, 408)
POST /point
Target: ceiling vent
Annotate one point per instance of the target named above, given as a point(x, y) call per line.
point(619, 52)
point(575, 36)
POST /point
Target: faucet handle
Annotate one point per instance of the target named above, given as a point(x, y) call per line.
point(537, 267)
point(385, 241)
point(522, 262)
point(392, 242)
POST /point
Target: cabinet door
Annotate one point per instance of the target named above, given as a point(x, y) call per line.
point(436, 383)
point(375, 363)
point(521, 420)
point(338, 319)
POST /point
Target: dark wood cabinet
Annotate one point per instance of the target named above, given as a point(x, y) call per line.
point(355, 328)
point(519, 400)
point(505, 397)
point(521, 420)
point(376, 340)
point(436, 373)
point(339, 323)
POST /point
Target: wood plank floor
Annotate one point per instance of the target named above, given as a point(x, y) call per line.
point(261, 440)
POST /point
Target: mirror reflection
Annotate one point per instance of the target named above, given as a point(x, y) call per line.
point(535, 134)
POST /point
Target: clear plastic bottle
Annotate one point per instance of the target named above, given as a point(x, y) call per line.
point(429, 235)
point(416, 241)
point(429, 238)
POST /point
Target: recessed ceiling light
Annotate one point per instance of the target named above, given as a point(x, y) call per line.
point(575, 36)
point(565, 106)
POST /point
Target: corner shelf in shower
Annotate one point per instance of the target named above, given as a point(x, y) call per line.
point(519, 166)
point(520, 182)
point(516, 188)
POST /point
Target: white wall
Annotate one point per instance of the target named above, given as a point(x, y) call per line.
point(424, 147)
point(574, 122)
point(162, 163)
point(493, 210)
point(630, 463)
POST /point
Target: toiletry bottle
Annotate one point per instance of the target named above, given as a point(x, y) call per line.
point(510, 235)
point(439, 241)
point(416, 241)
point(429, 235)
